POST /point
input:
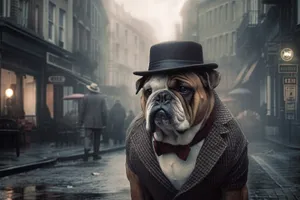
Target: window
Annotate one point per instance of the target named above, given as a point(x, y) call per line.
point(216, 16)
point(233, 42)
point(62, 28)
point(51, 22)
point(226, 12)
point(233, 10)
point(93, 15)
point(226, 44)
point(245, 6)
point(135, 60)
point(126, 37)
point(36, 19)
point(81, 30)
point(221, 15)
point(221, 47)
point(6, 8)
point(298, 11)
point(126, 56)
point(135, 41)
point(117, 30)
point(142, 46)
point(253, 12)
point(23, 13)
point(87, 46)
point(117, 51)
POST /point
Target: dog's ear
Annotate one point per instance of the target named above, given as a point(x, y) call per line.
point(210, 79)
point(139, 84)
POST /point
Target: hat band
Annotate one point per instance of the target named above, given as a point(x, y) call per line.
point(166, 64)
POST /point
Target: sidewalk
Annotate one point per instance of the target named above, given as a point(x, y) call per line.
point(42, 155)
point(277, 140)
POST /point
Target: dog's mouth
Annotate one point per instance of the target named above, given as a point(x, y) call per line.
point(161, 120)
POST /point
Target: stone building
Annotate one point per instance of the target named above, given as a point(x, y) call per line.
point(217, 23)
point(129, 43)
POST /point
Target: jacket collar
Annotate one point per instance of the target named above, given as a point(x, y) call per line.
point(211, 151)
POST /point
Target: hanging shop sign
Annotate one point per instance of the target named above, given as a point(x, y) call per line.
point(59, 62)
point(290, 92)
point(288, 68)
point(287, 54)
point(56, 79)
point(290, 110)
point(290, 80)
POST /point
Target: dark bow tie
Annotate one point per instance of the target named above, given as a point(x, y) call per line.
point(182, 151)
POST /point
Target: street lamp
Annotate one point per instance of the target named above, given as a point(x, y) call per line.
point(287, 54)
point(9, 93)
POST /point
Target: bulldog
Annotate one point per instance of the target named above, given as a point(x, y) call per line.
point(185, 144)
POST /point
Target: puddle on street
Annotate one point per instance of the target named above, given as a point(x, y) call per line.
point(48, 193)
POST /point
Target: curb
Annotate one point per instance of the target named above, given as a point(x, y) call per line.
point(27, 167)
point(81, 155)
point(282, 144)
point(49, 162)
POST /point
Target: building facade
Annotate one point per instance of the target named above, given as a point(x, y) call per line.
point(272, 47)
point(46, 54)
point(216, 27)
point(99, 40)
point(129, 43)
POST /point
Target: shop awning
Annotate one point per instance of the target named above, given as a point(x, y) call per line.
point(249, 72)
point(240, 76)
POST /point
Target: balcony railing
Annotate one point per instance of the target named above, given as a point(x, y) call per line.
point(246, 31)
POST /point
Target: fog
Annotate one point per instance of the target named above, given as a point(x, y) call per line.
point(160, 14)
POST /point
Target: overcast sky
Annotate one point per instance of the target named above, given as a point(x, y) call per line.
point(161, 14)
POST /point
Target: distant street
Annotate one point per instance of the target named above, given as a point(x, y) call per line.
point(274, 174)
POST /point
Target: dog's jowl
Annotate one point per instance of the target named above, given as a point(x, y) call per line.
point(185, 144)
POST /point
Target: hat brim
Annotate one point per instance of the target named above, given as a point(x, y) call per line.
point(196, 67)
point(93, 90)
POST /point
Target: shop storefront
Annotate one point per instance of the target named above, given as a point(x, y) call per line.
point(22, 64)
point(62, 80)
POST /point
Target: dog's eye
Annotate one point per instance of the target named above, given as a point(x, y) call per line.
point(148, 92)
point(184, 90)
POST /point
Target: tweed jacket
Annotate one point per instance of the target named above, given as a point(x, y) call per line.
point(222, 163)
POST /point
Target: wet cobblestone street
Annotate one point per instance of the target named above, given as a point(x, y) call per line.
point(274, 174)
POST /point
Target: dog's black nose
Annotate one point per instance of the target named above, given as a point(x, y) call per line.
point(163, 97)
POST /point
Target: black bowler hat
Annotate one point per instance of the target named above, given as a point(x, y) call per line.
point(175, 56)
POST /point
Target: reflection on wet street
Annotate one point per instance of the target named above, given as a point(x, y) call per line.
point(103, 179)
point(274, 174)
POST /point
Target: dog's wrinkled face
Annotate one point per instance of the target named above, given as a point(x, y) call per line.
point(172, 104)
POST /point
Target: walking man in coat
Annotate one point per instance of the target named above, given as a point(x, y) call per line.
point(93, 116)
point(117, 117)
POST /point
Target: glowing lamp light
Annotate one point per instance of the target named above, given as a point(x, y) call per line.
point(9, 93)
point(287, 54)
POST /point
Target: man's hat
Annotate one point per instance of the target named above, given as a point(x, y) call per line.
point(93, 87)
point(175, 56)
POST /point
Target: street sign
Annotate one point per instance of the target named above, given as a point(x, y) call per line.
point(56, 79)
point(290, 80)
point(288, 68)
point(290, 92)
point(290, 110)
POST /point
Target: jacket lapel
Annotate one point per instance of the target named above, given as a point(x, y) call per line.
point(143, 147)
point(212, 149)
